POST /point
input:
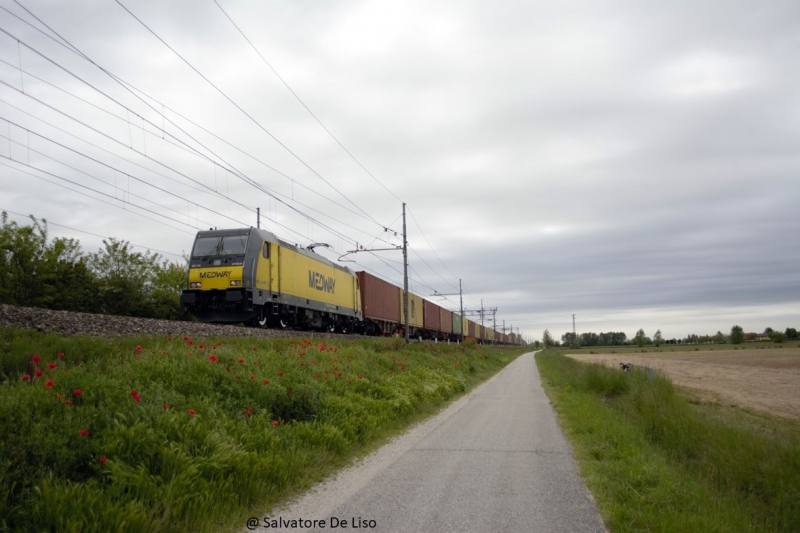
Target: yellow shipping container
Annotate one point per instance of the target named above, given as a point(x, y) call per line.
point(414, 310)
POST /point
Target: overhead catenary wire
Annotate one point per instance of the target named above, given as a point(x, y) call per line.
point(233, 171)
point(304, 104)
point(252, 119)
point(51, 223)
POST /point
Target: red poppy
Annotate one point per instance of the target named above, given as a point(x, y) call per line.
point(169, 338)
point(240, 361)
point(77, 392)
point(191, 343)
point(254, 348)
point(138, 348)
point(290, 393)
point(83, 432)
point(252, 376)
point(249, 411)
point(192, 412)
point(26, 377)
point(166, 406)
point(49, 384)
point(102, 460)
point(265, 382)
point(238, 377)
point(190, 354)
point(202, 346)
point(68, 402)
point(51, 365)
point(135, 396)
point(213, 358)
point(302, 364)
point(274, 422)
point(185, 338)
point(280, 373)
point(38, 373)
point(163, 352)
point(61, 355)
point(36, 359)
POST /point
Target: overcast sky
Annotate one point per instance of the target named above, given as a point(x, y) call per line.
point(634, 163)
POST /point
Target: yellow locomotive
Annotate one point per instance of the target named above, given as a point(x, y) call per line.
point(250, 275)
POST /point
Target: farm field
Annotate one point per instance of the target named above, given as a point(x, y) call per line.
point(766, 380)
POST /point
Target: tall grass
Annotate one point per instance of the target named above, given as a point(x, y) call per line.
point(177, 434)
point(750, 480)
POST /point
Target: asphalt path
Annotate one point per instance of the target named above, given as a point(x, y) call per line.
point(494, 461)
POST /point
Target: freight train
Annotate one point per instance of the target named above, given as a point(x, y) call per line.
point(250, 275)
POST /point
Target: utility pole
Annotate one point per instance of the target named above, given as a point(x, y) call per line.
point(405, 273)
point(258, 217)
point(574, 338)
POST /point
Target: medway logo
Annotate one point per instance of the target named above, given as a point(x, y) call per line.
point(217, 274)
point(320, 282)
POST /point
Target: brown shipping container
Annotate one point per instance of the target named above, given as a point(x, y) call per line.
point(498, 336)
point(379, 299)
point(481, 331)
point(472, 330)
point(446, 320)
point(432, 316)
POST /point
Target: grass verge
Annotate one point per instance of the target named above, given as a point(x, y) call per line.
point(656, 462)
point(178, 434)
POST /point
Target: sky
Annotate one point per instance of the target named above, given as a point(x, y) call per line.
point(635, 164)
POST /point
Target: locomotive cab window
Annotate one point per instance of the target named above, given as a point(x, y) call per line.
point(266, 250)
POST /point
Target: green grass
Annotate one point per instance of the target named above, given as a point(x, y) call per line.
point(656, 462)
point(180, 440)
point(669, 348)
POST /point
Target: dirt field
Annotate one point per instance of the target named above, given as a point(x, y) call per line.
point(748, 378)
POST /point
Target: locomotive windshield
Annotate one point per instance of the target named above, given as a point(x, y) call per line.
point(220, 246)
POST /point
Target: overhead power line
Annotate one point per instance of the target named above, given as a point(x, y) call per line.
point(304, 104)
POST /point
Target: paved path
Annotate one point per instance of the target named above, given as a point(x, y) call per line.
point(494, 461)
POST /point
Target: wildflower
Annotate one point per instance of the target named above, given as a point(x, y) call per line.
point(135, 396)
point(58, 397)
point(51, 365)
point(163, 352)
point(61, 355)
point(254, 348)
point(49, 384)
point(240, 361)
point(290, 393)
point(238, 377)
point(185, 338)
point(77, 392)
point(102, 460)
point(26, 377)
point(192, 412)
point(202, 346)
point(36, 359)
point(213, 358)
point(252, 376)
point(280, 373)
point(166, 406)
point(169, 338)
point(249, 411)
point(67, 402)
point(265, 382)
point(83, 432)
point(38, 373)
point(274, 422)
point(138, 348)
point(191, 343)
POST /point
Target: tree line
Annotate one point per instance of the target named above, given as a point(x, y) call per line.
point(36, 271)
point(736, 336)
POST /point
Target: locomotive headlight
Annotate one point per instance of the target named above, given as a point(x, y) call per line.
point(236, 283)
point(195, 285)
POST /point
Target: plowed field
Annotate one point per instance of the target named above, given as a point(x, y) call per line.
point(750, 379)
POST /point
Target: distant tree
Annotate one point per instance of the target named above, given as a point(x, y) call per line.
point(569, 339)
point(640, 339)
point(791, 333)
point(657, 338)
point(589, 339)
point(768, 330)
point(737, 335)
point(125, 278)
point(777, 336)
point(536, 344)
point(547, 340)
point(719, 338)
